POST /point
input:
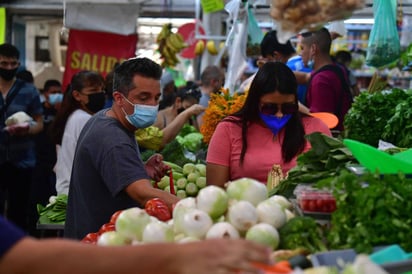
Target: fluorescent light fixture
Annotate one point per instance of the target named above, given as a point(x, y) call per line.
point(360, 21)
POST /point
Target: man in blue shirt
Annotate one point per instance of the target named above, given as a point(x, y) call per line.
point(17, 155)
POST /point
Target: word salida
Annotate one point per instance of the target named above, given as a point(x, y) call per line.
point(94, 62)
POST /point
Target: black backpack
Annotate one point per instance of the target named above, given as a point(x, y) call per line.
point(344, 83)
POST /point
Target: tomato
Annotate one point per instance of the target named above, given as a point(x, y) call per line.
point(90, 238)
point(319, 205)
point(158, 208)
point(114, 216)
point(312, 205)
point(107, 227)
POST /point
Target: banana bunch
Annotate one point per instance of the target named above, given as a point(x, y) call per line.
point(170, 44)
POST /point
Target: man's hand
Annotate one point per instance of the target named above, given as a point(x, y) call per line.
point(20, 129)
point(156, 168)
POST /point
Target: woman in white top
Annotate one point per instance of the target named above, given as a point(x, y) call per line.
point(84, 97)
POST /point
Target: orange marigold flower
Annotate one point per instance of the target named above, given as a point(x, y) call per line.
point(220, 105)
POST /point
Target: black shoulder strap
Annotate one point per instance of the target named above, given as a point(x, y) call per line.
point(12, 93)
point(344, 83)
point(339, 72)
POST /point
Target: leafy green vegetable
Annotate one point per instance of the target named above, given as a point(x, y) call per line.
point(398, 129)
point(55, 212)
point(302, 232)
point(323, 161)
point(174, 152)
point(369, 114)
point(372, 210)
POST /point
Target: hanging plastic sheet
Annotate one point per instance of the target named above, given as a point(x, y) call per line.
point(236, 41)
point(384, 44)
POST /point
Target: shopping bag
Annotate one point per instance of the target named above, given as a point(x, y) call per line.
point(384, 44)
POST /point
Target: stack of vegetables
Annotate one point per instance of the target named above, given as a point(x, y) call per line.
point(243, 210)
point(54, 212)
point(184, 181)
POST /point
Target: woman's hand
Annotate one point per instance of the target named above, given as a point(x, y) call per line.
point(155, 167)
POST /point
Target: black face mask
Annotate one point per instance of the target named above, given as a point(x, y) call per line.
point(96, 101)
point(7, 74)
point(180, 110)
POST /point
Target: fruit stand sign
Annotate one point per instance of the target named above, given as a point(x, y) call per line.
point(188, 31)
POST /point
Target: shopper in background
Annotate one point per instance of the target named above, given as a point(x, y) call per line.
point(184, 108)
point(168, 90)
point(25, 75)
point(108, 173)
point(212, 79)
point(84, 98)
point(328, 89)
point(344, 58)
point(272, 50)
point(22, 254)
point(267, 130)
point(44, 178)
point(17, 154)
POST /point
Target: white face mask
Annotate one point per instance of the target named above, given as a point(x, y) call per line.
point(143, 115)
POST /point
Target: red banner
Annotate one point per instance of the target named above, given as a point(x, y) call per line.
point(96, 51)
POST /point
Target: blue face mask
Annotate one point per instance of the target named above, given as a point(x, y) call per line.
point(55, 98)
point(143, 115)
point(274, 123)
point(311, 63)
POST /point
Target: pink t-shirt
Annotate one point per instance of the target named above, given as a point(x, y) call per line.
point(263, 149)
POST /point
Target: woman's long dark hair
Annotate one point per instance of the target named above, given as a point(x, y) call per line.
point(79, 81)
point(271, 77)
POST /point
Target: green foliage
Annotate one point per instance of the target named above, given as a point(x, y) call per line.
point(370, 113)
point(372, 210)
point(398, 129)
point(323, 161)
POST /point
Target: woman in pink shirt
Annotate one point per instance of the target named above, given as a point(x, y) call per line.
point(267, 130)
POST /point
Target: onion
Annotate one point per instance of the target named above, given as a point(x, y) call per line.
point(247, 189)
point(213, 200)
point(195, 223)
point(131, 223)
point(264, 234)
point(281, 200)
point(157, 232)
point(222, 230)
point(242, 215)
point(179, 210)
point(272, 213)
point(112, 238)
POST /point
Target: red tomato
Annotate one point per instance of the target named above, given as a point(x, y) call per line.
point(90, 238)
point(107, 227)
point(114, 216)
point(319, 205)
point(158, 208)
point(312, 205)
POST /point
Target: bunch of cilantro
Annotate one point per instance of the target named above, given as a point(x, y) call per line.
point(369, 115)
point(372, 210)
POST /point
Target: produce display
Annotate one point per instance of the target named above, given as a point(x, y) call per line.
point(184, 181)
point(55, 211)
point(371, 210)
point(322, 162)
point(368, 118)
point(314, 200)
point(242, 210)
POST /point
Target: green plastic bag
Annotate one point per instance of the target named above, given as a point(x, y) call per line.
point(384, 45)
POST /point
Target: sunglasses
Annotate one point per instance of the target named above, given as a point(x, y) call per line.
point(272, 109)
